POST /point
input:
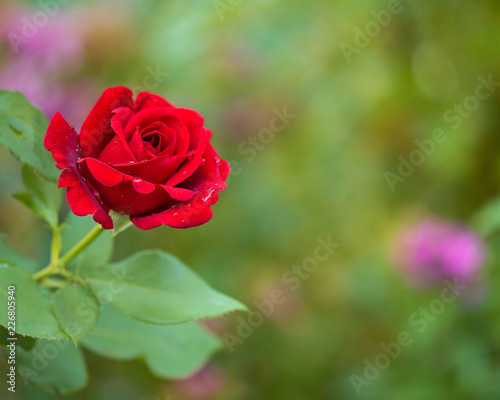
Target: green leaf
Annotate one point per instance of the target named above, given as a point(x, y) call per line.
point(43, 197)
point(156, 287)
point(22, 129)
point(4, 334)
point(10, 256)
point(26, 342)
point(76, 309)
point(170, 351)
point(487, 220)
point(34, 316)
point(97, 254)
point(56, 366)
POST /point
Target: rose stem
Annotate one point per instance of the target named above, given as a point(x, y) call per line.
point(57, 266)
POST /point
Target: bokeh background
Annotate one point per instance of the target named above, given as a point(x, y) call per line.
point(357, 110)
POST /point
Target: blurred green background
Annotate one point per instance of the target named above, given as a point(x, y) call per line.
point(323, 175)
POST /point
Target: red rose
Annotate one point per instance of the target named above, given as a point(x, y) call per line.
point(144, 158)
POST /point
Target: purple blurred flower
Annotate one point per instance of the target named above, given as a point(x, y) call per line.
point(36, 65)
point(434, 250)
point(57, 45)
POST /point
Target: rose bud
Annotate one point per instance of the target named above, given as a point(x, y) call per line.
point(145, 158)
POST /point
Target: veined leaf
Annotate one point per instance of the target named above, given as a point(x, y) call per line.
point(22, 129)
point(170, 351)
point(76, 309)
point(43, 197)
point(56, 366)
point(34, 316)
point(156, 287)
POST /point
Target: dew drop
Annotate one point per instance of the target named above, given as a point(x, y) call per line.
point(203, 162)
point(207, 198)
point(138, 183)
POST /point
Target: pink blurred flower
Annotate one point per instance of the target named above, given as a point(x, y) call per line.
point(207, 382)
point(36, 65)
point(434, 250)
point(56, 45)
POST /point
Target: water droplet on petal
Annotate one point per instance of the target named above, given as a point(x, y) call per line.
point(207, 198)
point(203, 162)
point(175, 214)
point(183, 222)
point(138, 183)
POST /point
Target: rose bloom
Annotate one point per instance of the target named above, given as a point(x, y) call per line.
point(434, 250)
point(145, 158)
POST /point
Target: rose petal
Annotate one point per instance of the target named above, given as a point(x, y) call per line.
point(118, 122)
point(142, 186)
point(209, 173)
point(103, 173)
point(137, 145)
point(83, 200)
point(224, 168)
point(145, 118)
point(62, 140)
point(146, 100)
point(166, 135)
point(190, 166)
point(206, 181)
point(180, 194)
point(124, 198)
point(154, 114)
point(182, 216)
point(157, 170)
point(96, 131)
point(116, 152)
point(194, 123)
